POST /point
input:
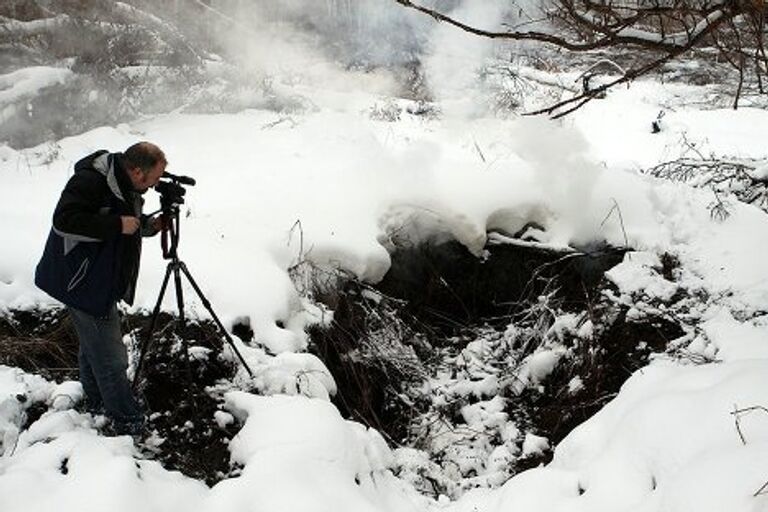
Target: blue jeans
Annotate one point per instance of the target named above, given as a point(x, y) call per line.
point(103, 362)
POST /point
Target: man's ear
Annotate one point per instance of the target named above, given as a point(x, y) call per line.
point(135, 173)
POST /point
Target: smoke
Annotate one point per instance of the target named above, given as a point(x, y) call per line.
point(567, 175)
point(455, 60)
point(454, 56)
point(335, 42)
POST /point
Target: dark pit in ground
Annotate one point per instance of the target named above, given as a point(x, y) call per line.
point(449, 288)
point(441, 296)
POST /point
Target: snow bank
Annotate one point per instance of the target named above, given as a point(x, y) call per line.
point(298, 454)
point(61, 463)
point(26, 82)
point(670, 430)
point(296, 464)
point(669, 442)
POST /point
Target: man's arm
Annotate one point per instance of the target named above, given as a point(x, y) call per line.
point(78, 211)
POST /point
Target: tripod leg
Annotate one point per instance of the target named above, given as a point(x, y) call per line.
point(208, 306)
point(182, 317)
point(153, 324)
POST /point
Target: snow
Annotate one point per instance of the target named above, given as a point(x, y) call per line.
point(676, 39)
point(410, 178)
point(734, 340)
point(100, 472)
point(540, 364)
point(223, 418)
point(760, 173)
point(359, 186)
point(534, 445)
point(668, 442)
point(328, 464)
point(575, 385)
point(302, 374)
point(26, 82)
point(639, 273)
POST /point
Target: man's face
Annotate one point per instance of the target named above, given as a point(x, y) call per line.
point(143, 182)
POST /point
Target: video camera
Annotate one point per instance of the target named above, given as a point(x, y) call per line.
point(172, 191)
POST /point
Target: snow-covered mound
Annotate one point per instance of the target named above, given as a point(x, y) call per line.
point(298, 454)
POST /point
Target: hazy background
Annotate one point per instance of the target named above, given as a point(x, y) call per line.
point(117, 61)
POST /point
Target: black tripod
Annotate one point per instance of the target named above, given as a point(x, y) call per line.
point(170, 230)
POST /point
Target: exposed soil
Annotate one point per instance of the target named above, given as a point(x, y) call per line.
point(366, 388)
point(179, 408)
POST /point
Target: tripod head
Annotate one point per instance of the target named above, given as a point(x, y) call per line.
point(172, 191)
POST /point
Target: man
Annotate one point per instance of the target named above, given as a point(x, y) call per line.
point(91, 261)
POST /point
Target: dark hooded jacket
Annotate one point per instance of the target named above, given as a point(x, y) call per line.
point(88, 263)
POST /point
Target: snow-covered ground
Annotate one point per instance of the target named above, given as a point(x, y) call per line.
point(667, 442)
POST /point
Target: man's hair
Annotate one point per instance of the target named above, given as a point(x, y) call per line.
point(143, 155)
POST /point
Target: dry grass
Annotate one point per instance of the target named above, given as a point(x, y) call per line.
point(39, 343)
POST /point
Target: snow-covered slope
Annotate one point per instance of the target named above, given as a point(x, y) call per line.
point(667, 442)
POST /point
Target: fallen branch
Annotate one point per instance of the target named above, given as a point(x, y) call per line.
point(159, 26)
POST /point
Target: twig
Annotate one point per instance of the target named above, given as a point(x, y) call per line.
point(751, 409)
point(297, 224)
point(737, 422)
point(272, 124)
point(479, 151)
point(621, 221)
point(718, 211)
point(738, 413)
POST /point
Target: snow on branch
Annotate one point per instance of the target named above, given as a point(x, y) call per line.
point(18, 29)
point(661, 30)
point(744, 179)
point(606, 33)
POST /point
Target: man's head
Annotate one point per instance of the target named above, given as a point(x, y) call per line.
point(144, 163)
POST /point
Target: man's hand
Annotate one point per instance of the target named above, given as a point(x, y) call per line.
point(130, 224)
point(158, 222)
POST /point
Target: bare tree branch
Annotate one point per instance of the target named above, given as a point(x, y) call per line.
point(664, 29)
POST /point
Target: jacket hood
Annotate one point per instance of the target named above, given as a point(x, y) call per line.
point(107, 164)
